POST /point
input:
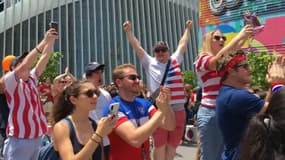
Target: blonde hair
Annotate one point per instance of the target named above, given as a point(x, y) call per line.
point(207, 41)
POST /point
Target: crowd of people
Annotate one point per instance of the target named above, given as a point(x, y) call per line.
point(233, 122)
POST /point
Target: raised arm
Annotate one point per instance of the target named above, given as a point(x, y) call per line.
point(185, 38)
point(22, 71)
point(234, 45)
point(133, 40)
point(50, 37)
point(275, 76)
point(136, 136)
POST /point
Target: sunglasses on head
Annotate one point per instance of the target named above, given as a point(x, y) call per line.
point(132, 77)
point(90, 93)
point(218, 38)
point(157, 50)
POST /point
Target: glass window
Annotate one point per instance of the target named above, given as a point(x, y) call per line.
point(1, 5)
point(78, 38)
point(70, 31)
point(41, 27)
point(8, 41)
point(33, 32)
point(2, 44)
point(25, 36)
point(17, 36)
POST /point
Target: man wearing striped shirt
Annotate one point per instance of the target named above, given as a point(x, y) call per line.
point(165, 142)
point(27, 121)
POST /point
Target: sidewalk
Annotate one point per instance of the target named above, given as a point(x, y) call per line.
point(186, 151)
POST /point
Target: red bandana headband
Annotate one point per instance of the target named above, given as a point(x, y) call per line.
point(231, 64)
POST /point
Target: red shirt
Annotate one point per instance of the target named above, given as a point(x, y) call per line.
point(46, 90)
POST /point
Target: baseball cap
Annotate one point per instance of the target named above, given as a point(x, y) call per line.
point(18, 59)
point(92, 66)
point(160, 45)
point(6, 62)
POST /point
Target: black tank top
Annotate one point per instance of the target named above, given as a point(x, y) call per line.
point(97, 155)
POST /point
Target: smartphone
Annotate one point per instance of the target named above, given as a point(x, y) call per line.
point(114, 108)
point(54, 25)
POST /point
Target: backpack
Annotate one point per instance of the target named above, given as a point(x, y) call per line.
point(47, 152)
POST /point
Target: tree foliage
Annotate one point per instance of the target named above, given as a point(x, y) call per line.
point(52, 68)
point(258, 65)
point(189, 77)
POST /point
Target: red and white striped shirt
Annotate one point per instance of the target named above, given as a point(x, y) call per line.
point(26, 118)
point(210, 81)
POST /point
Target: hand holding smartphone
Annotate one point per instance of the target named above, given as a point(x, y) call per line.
point(114, 109)
point(54, 25)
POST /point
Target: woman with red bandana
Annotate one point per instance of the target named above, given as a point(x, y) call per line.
point(213, 48)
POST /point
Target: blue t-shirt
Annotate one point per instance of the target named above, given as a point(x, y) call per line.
point(234, 109)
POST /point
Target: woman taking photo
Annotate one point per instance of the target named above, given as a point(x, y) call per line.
point(71, 114)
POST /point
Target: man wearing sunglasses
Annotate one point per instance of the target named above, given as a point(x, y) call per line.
point(235, 104)
point(94, 73)
point(137, 117)
point(165, 141)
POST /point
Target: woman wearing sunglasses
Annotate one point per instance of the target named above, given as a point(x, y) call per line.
point(72, 110)
point(213, 48)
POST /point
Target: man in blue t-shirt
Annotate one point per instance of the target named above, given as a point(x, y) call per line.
point(137, 117)
point(235, 104)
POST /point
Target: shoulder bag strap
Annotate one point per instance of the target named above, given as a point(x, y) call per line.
point(165, 72)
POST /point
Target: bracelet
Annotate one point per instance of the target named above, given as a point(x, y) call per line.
point(94, 140)
point(98, 135)
point(276, 86)
point(38, 50)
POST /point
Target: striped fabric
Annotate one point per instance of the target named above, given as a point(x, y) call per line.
point(175, 82)
point(26, 118)
point(209, 79)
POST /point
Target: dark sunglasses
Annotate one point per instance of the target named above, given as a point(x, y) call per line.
point(132, 77)
point(157, 50)
point(90, 93)
point(244, 65)
point(63, 82)
point(218, 38)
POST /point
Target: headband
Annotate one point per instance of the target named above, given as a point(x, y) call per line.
point(231, 64)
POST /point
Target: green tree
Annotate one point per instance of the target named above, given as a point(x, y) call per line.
point(258, 65)
point(52, 68)
point(189, 77)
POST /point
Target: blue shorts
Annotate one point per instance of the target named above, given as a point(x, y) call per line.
point(21, 149)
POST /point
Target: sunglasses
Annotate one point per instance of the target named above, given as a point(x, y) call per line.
point(158, 50)
point(218, 38)
point(244, 65)
point(132, 77)
point(90, 93)
point(63, 82)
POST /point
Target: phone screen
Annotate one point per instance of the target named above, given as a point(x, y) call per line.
point(114, 108)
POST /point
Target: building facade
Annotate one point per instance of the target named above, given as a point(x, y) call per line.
point(91, 30)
